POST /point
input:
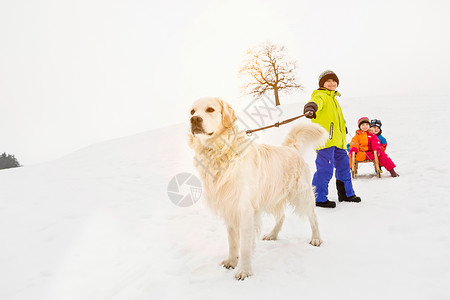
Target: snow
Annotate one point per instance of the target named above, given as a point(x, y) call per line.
point(98, 224)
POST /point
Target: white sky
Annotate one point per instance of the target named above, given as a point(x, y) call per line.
point(73, 73)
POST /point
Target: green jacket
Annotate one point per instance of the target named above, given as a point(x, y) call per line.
point(329, 116)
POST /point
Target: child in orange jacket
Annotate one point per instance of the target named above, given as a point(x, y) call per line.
point(365, 142)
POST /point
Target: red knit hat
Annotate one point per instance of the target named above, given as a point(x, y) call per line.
point(363, 120)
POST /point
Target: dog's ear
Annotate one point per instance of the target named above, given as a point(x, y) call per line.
point(228, 114)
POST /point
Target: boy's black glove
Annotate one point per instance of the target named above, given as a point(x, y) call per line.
point(310, 110)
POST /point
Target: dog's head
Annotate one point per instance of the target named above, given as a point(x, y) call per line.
point(210, 117)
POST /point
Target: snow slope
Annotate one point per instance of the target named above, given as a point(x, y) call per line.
point(98, 224)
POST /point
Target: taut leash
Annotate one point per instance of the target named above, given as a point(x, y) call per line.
point(357, 144)
point(277, 124)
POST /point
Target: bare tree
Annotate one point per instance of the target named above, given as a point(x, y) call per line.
point(268, 68)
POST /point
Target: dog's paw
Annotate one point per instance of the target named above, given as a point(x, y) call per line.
point(316, 242)
point(269, 237)
point(229, 263)
point(242, 274)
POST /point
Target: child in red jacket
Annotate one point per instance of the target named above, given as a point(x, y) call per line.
point(365, 142)
point(375, 126)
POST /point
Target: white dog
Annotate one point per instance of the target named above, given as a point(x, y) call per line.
point(243, 178)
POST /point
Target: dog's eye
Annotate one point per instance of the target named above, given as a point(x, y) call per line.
point(209, 109)
point(192, 111)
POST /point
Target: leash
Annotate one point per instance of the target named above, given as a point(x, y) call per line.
point(277, 124)
point(357, 144)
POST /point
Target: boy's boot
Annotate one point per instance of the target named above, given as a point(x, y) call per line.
point(330, 204)
point(342, 196)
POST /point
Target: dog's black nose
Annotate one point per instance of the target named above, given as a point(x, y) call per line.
point(196, 120)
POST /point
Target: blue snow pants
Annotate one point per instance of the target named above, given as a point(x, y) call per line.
point(328, 159)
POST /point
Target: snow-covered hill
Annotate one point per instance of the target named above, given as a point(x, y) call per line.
point(99, 224)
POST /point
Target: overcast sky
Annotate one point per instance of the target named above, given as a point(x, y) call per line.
point(73, 73)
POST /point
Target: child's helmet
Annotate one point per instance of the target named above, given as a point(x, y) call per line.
point(375, 122)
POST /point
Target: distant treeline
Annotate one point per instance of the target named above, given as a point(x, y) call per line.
point(8, 161)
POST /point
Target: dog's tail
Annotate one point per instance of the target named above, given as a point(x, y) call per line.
point(305, 134)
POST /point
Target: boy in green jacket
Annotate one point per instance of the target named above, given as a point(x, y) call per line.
point(324, 110)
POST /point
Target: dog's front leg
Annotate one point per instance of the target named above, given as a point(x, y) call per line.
point(233, 248)
point(247, 232)
point(315, 239)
